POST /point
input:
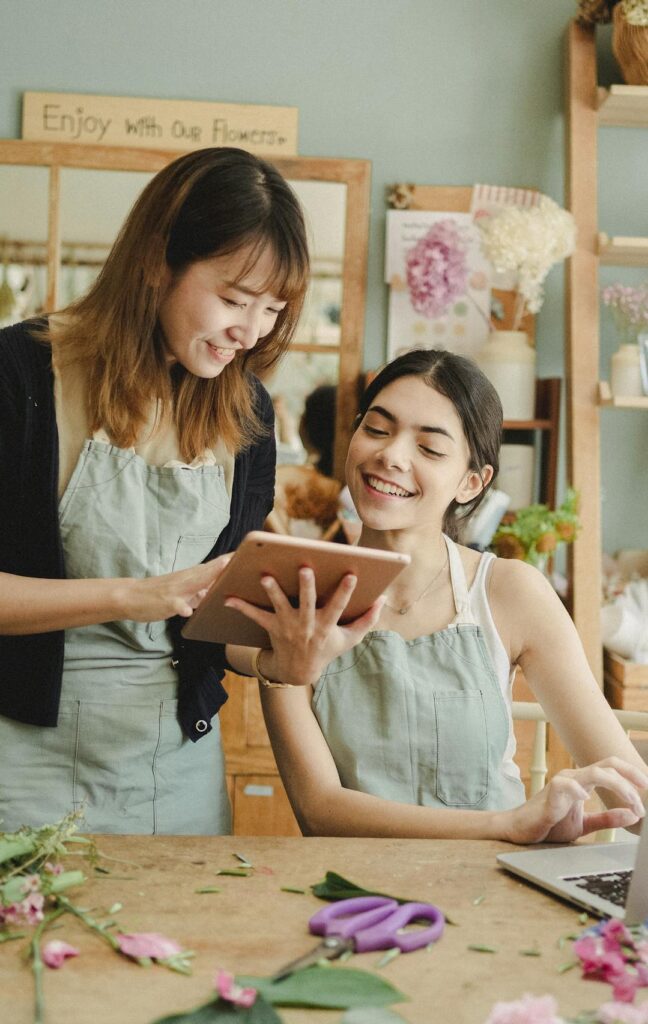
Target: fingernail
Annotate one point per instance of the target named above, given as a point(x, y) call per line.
point(229, 603)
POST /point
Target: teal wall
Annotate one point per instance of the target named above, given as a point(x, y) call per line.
point(430, 91)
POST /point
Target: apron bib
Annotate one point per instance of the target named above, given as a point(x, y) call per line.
point(421, 721)
point(118, 751)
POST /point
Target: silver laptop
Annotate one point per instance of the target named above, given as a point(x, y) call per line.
point(607, 879)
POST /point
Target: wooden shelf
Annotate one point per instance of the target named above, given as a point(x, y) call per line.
point(623, 250)
point(623, 105)
point(527, 425)
point(606, 398)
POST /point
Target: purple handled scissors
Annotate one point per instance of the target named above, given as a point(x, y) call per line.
point(364, 924)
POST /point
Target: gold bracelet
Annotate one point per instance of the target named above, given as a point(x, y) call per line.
point(259, 674)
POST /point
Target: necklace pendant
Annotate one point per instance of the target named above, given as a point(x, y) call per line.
point(403, 611)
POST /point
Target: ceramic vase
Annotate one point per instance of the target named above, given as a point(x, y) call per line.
point(625, 372)
point(509, 362)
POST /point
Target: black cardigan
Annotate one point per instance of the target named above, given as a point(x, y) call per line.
point(31, 667)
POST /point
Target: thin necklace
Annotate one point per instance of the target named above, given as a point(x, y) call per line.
point(408, 607)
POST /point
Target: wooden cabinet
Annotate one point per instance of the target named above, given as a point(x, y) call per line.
point(588, 107)
point(260, 806)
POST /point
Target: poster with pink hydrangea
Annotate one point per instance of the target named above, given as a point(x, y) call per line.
point(439, 282)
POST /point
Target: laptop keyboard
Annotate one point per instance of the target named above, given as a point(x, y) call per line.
point(612, 886)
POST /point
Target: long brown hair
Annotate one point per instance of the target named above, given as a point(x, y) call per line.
point(475, 400)
point(210, 202)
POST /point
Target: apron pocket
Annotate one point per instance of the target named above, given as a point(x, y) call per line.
point(190, 550)
point(462, 766)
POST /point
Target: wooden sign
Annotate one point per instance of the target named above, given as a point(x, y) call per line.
point(158, 124)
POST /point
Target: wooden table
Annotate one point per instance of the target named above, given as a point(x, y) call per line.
point(252, 927)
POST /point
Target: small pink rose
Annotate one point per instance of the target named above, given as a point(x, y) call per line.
point(233, 993)
point(147, 944)
point(55, 952)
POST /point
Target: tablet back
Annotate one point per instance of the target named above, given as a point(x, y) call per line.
point(270, 554)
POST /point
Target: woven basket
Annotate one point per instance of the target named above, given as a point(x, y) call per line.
point(630, 47)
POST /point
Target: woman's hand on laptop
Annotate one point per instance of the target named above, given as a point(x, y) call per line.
point(557, 813)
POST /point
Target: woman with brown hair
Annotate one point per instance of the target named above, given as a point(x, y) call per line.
point(402, 724)
point(136, 447)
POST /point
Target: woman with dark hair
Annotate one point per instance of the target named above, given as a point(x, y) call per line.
point(403, 726)
point(317, 427)
point(136, 447)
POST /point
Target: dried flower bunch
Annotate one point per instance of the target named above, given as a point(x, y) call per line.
point(437, 269)
point(591, 12)
point(534, 532)
point(629, 308)
point(635, 12)
point(528, 242)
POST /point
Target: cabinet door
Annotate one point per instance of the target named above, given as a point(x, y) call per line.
point(260, 806)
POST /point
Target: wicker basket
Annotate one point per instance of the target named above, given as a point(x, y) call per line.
point(630, 47)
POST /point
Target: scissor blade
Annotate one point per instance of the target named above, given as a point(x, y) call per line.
point(329, 949)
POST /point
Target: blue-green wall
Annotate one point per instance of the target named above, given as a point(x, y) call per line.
point(431, 91)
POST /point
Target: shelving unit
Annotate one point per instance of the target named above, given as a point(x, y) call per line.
point(589, 107)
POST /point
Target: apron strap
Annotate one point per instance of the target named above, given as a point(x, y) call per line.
point(459, 586)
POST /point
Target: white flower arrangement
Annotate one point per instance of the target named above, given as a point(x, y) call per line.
point(528, 242)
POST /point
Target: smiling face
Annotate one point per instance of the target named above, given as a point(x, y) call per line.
point(409, 459)
point(217, 308)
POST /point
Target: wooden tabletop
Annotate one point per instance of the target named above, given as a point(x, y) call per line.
point(252, 927)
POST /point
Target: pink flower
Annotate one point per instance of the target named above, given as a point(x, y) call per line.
point(147, 945)
point(31, 883)
point(528, 1010)
point(53, 869)
point(27, 911)
point(622, 1013)
point(56, 952)
point(437, 270)
point(233, 993)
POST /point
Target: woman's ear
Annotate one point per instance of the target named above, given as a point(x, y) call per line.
point(473, 484)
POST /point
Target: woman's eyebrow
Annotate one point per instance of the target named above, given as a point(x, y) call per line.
point(421, 429)
point(247, 291)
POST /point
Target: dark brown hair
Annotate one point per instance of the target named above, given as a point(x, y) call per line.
point(473, 396)
point(210, 202)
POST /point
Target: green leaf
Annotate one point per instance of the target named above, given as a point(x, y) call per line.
point(387, 957)
point(236, 872)
point(292, 888)
point(371, 1015)
point(13, 846)
point(209, 888)
point(243, 859)
point(476, 948)
point(334, 887)
point(336, 988)
point(222, 1012)
point(11, 936)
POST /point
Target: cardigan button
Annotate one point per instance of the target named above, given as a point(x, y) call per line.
point(201, 725)
point(174, 662)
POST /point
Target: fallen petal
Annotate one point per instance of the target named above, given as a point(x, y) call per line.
point(147, 944)
point(233, 993)
point(55, 952)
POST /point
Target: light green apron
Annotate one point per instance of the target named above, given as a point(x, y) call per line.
point(421, 721)
point(118, 751)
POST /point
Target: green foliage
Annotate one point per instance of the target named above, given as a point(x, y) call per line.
point(534, 532)
point(222, 1012)
point(336, 988)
